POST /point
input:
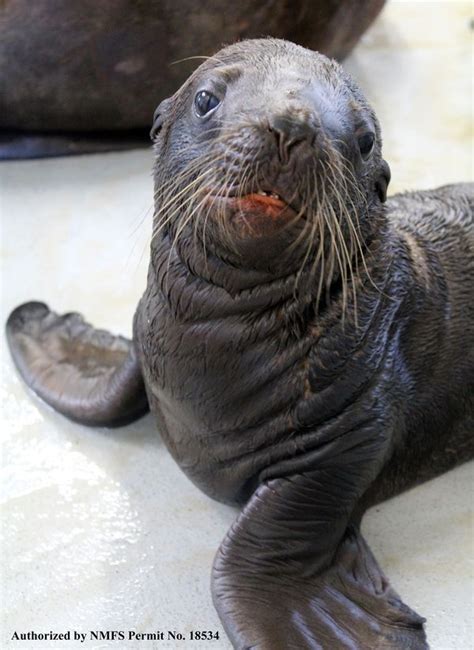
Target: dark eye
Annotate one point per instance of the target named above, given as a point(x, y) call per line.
point(205, 102)
point(366, 144)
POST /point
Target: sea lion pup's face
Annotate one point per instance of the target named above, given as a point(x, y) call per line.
point(269, 156)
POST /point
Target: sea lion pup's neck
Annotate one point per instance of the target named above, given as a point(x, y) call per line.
point(197, 285)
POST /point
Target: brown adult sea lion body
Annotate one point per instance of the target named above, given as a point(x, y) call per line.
point(86, 76)
point(306, 348)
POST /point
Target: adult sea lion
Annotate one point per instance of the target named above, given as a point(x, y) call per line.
point(305, 347)
point(95, 84)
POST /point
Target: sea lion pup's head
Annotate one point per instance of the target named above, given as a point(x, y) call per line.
point(268, 158)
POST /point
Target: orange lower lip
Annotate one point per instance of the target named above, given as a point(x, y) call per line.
point(268, 205)
point(265, 200)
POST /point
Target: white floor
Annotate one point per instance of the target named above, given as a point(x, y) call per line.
point(101, 531)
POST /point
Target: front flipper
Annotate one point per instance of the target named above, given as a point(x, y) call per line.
point(88, 375)
point(279, 583)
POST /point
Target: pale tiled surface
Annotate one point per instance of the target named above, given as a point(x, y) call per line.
point(100, 528)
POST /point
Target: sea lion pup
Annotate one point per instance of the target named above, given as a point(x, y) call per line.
point(305, 347)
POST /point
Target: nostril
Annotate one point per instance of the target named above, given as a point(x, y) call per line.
point(288, 133)
point(279, 137)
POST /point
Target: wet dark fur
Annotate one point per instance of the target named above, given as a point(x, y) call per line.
point(306, 362)
point(238, 350)
point(248, 387)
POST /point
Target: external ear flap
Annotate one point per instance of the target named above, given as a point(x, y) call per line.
point(383, 180)
point(159, 117)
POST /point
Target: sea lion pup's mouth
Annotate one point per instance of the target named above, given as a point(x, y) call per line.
point(257, 212)
point(267, 201)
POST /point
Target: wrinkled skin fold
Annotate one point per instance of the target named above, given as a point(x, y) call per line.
point(306, 348)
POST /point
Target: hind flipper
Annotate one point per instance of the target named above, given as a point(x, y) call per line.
point(88, 375)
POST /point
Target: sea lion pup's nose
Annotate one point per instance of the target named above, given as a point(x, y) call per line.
point(290, 130)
